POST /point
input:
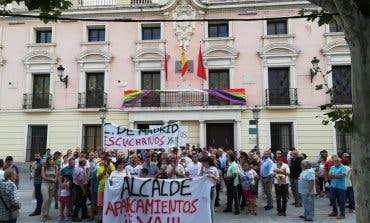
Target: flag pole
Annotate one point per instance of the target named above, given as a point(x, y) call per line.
point(165, 65)
point(201, 79)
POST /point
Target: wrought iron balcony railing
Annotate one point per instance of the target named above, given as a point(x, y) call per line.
point(92, 100)
point(181, 99)
point(96, 3)
point(281, 97)
point(37, 101)
point(111, 3)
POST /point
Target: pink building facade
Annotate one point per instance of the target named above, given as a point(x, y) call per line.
point(270, 59)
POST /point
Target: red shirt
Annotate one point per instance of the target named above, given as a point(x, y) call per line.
point(329, 163)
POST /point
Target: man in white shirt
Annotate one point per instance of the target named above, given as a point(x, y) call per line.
point(133, 168)
point(280, 171)
point(193, 168)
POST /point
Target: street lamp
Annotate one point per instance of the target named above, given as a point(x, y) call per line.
point(256, 115)
point(64, 79)
point(315, 67)
point(102, 115)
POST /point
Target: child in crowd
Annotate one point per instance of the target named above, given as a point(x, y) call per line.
point(143, 173)
point(64, 196)
point(281, 177)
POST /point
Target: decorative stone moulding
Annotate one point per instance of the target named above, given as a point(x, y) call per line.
point(184, 30)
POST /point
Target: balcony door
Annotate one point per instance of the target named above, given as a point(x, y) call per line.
point(218, 79)
point(151, 81)
point(220, 135)
point(342, 84)
point(94, 90)
point(278, 90)
point(41, 86)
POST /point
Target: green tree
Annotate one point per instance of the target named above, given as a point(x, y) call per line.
point(354, 17)
point(49, 9)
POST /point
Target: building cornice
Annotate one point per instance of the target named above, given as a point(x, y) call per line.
point(123, 12)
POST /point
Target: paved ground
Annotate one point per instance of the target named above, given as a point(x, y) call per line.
point(322, 209)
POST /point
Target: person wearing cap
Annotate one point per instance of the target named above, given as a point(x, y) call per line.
point(152, 168)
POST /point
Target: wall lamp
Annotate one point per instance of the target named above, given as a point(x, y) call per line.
point(315, 67)
point(64, 79)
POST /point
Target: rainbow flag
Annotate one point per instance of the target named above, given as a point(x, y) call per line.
point(132, 96)
point(237, 96)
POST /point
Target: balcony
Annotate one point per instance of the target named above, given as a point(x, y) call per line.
point(96, 3)
point(143, 2)
point(92, 100)
point(173, 99)
point(37, 101)
point(281, 97)
point(7, 7)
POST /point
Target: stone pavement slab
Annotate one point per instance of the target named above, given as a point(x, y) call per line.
point(322, 209)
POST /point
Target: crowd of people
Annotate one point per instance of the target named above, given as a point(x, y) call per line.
point(76, 180)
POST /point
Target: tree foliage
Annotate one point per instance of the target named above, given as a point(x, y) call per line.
point(49, 9)
point(341, 117)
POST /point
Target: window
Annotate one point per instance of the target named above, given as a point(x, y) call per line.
point(36, 140)
point(96, 34)
point(343, 142)
point(218, 30)
point(41, 96)
point(334, 27)
point(91, 137)
point(277, 27)
point(218, 79)
point(95, 96)
point(279, 92)
point(43, 36)
point(341, 76)
point(151, 81)
point(151, 32)
point(281, 136)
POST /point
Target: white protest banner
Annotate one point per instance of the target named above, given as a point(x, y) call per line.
point(149, 200)
point(183, 135)
point(122, 138)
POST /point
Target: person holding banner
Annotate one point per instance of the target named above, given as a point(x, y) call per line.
point(150, 166)
point(117, 176)
point(209, 169)
point(174, 169)
point(133, 168)
point(104, 170)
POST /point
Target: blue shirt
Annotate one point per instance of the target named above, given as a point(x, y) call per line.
point(338, 183)
point(95, 181)
point(305, 177)
point(266, 167)
point(222, 159)
point(67, 170)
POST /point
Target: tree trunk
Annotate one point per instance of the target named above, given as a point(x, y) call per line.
point(360, 63)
